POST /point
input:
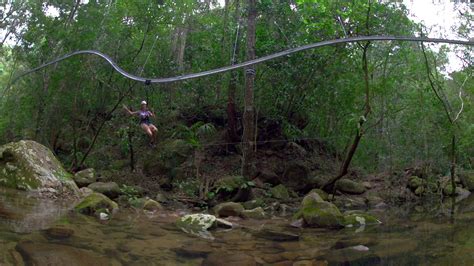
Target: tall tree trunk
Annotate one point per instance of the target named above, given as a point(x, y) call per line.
point(231, 112)
point(248, 138)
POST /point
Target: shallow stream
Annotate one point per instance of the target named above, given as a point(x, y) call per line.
point(45, 233)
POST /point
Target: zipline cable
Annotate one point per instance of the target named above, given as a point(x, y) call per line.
point(243, 64)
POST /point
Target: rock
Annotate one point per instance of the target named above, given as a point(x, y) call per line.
point(360, 219)
point(197, 224)
point(85, 177)
point(415, 182)
point(319, 213)
point(351, 256)
point(55, 254)
point(221, 223)
point(278, 236)
point(152, 206)
point(95, 204)
point(85, 191)
point(228, 209)
point(467, 179)
point(462, 193)
point(252, 204)
point(321, 193)
point(349, 186)
point(256, 213)
point(367, 185)
point(299, 223)
point(295, 176)
point(59, 232)
point(268, 176)
point(161, 198)
point(110, 189)
point(229, 259)
point(168, 156)
point(28, 165)
point(193, 250)
point(280, 192)
point(360, 248)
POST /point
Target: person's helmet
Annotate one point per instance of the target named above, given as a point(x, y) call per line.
point(144, 102)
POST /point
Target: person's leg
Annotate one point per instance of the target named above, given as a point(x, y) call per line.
point(147, 130)
point(154, 131)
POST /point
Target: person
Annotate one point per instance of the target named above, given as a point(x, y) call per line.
point(144, 115)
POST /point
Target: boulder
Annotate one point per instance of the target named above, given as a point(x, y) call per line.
point(269, 176)
point(280, 192)
point(467, 179)
point(296, 176)
point(198, 224)
point(252, 204)
point(110, 189)
point(28, 165)
point(321, 193)
point(95, 204)
point(228, 209)
point(85, 177)
point(319, 213)
point(256, 213)
point(349, 186)
point(152, 206)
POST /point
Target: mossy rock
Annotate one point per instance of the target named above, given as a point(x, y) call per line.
point(228, 209)
point(319, 213)
point(349, 186)
point(321, 193)
point(28, 165)
point(257, 213)
point(229, 184)
point(360, 219)
point(85, 177)
point(467, 179)
point(280, 192)
point(252, 204)
point(95, 203)
point(415, 182)
point(151, 205)
point(110, 189)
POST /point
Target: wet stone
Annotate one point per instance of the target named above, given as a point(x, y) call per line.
point(59, 232)
point(276, 235)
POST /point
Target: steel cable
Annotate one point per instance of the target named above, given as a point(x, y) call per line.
point(243, 64)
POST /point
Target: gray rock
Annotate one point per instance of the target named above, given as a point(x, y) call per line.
point(110, 189)
point(85, 177)
point(28, 165)
point(256, 213)
point(280, 192)
point(228, 209)
point(349, 186)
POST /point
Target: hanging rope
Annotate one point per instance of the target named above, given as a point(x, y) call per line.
point(243, 64)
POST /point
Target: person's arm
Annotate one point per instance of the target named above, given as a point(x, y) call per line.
point(151, 114)
point(128, 110)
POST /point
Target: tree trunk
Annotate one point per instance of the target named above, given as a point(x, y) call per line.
point(231, 112)
point(248, 163)
point(329, 186)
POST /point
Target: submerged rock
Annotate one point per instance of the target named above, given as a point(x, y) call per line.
point(198, 224)
point(85, 177)
point(256, 213)
point(229, 259)
point(95, 204)
point(228, 209)
point(319, 213)
point(59, 232)
point(110, 189)
point(360, 219)
point(349, 186)
point(28, 165)
point(55, 254)
point(280, 192)
point(252, 204)
point(278, 236)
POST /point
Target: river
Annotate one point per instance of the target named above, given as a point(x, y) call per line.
point(39, 232)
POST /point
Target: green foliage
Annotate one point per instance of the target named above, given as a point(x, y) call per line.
point(130, 192)
point(194, 134)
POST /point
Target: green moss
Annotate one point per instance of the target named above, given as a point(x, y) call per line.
point(280, 192)
point(319, 213)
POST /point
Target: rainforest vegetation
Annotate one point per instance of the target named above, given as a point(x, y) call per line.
point(376, 133)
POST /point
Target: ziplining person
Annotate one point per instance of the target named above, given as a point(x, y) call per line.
point(145, 123)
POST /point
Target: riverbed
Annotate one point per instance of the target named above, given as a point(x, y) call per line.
point(44, 232)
